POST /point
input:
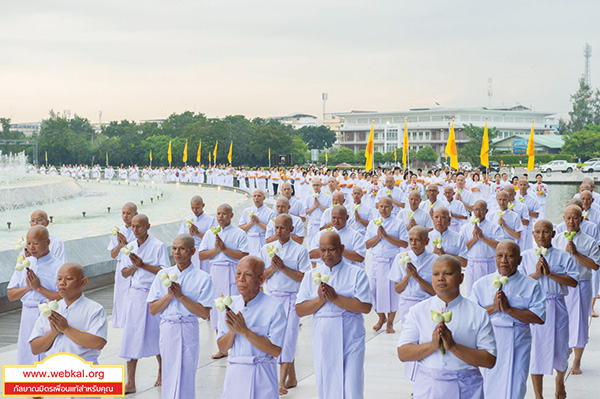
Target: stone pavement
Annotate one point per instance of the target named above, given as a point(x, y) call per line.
point(383, 370)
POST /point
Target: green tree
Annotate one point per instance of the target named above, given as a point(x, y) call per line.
point(586, 103)
point(378, 157)
point(66, 140)
point(300, 152)
point(344, 155)
point(388, 157)
point(427, 155)
point(359, 158)
point(584, 143)
point(317, 137)
point(472, 148)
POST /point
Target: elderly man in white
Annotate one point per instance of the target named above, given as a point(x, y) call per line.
point(449, 350)
point(412, 215)
point(514, 302)
point(254, 222)
point(199, 223)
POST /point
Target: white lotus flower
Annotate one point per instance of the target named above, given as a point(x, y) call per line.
point(459, 190)
point(330, 229)
point(378, 222)
point(441, 318)
point(511, 206)
point(223, 303)
point(438, 242)
point(474, 220)
point(216, 230)
point(404, 259)
point(272, 251)
point(499, 281)
point(22, 263)
point(356, 206)
point(189, 222)
point(250, 213)
point(114, 230)
point(542, 251)
point(127, 249)
point(388, 192)
point(501, 213)
point(47, 308)
point(431, 206)
point(585, 214)
point(411, 215)
point(315, 195)
point(167, 279)
point(319, 278)
point(21, 245)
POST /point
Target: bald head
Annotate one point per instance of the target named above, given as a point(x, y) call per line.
point(141, 218)
point(185, 239)
point(509, 189)
point(543, 224)
point(449, 260)
point(286, 219)
point(253, 263)
point(38, 232)
point(576, 202)
point(419, 231)
point(70, 282)
point(74, 269)
point(338, 198)
point(39, 218)
point(130, 206)
point(196, 199)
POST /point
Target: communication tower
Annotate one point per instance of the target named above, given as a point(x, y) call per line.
point(587, 74)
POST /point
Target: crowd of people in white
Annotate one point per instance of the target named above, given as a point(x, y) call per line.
point(336, 245)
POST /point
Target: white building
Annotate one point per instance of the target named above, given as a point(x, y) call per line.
point(27, 128)
point(298, 120)
point(431, 126)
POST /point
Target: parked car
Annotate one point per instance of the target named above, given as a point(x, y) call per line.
point(558, 166)
point(591, 167)
point(494, 167)
point(591, 161)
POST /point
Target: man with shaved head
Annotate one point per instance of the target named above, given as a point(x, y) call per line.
point(463, 194)
point(585, 226)
point(33, 286)
point(481, 239)
point(253, 327)
point(393, 192)
point(585, 252)
point(57, 246)
point(457, 210)
point(451, 371)
point(79, 326)
point(413, 279)
point(179, 306)
point(315, 205)
point(513, 307)
point(533, 211)
point(223, 249)
point(361, 213)
point(254, 222)
point(199, 223)
point(413, 215)
point(338, 295)
point(509, 222)
point(453, 243)
point(296, 207)
point(384, 238)
point(337, 198)
point(148, 256)
point(121, 286)
point(282, 206)
point(287, 262)
point(434, 200)
point(555, 271)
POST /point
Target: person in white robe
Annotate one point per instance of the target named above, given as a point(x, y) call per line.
point(355, 249)
point(223, 248)
point(296, 206)
point(57, 246)
point(533, 211)
point(591, 214)
point(452, 243)
point(434, 200)
point(337, 198)
point(539, 191)
point(509, 222)
point(513, 305)
point(147, 257)
point(253, 326)
point(32, 286)
point(463, 194)
point(315, 205)
point(522, 211)
point(393, 192)
point(337, 295)
point(481, 238)
point(555, 270)
point(385, 236)
point(458, 212)
point(199, 223)
point(585, 252)
point(254, 222)
point(449, 353)
point(362, 214)
point(187, 298)
point(413, 215)
point(412, 279)
point(282, 206)
point(79, 325)
point(121, 284)
point(287, 263)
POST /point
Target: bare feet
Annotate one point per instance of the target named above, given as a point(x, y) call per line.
point(576, 370)
point(129, 388)
point(158, 381)
point(291, 383)
point(282, 390)
point(561, 392)
point(594, 314)
point(219, 355)
point(380, 323)
point(389, 329)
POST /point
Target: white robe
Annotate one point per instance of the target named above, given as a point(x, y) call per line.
point(121, 286)
point(203, 222)
point(256, 234)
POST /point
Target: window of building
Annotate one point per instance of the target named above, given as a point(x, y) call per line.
point(392, 134)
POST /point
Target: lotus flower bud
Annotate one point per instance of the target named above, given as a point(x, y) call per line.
point(436, 317)
point(504, 280)
point(474, 220)
point(174, 277)
point(511, 206)
point(411, 215)
point(459, 190)
point(220, 306)
point(585, 214)
point(189, 222)
point(114, 231)
point(46, 312)
point(21, 245)
point(521, 199)
point(356, 206)
point(317, 281)
point(497, 284)
point(315, 195)
point(378, 222)
point(227, 300)
point(501, 213)
point(53, 305)
point(542, 251)
point(447, 317)
point(388, 192)
point(431, 206)
point(162, 276)
point(324, 278)
point(26, 263)
point(19, 267)
point(167, 283)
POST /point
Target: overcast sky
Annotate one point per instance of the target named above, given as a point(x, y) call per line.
point(146, 59)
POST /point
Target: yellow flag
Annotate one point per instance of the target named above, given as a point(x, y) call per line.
point(185, 152)
point(369, 150)
point(485, 147)
point(199, 149)
point(451, 148)
point(405, 145)
point(46, 157)
point(209, 158)
point(230, 151)
point(269, 153)
point(395, 156)
point(150, 155)
point(326, 158)
point(215, 152)
point(107, 159)
point(170, 155)
point(531, 149)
